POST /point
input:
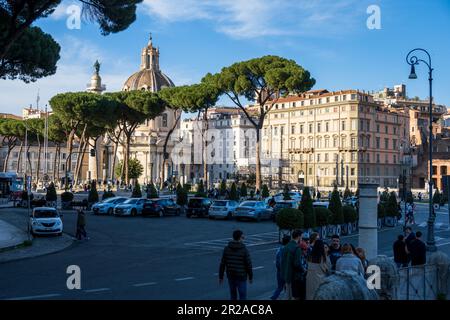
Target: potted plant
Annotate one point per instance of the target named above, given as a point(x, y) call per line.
point(137, 192)
point(337, 218)
point(66, 200)
point(350, 217)
point(244, 191)
point(289, 219)
point(306, 206)
point(323, 217)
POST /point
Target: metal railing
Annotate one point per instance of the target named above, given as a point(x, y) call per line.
point(418, 282)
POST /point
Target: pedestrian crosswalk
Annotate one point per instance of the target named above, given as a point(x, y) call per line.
point(437, 225)
point(250, 241)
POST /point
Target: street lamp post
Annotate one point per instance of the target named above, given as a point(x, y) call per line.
point(413, 60)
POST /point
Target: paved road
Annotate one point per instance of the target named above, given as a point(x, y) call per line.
point(160, 258)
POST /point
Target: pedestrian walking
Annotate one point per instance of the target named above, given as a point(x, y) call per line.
point(301, 273)
point(400, 254)
point(361, 254)
point(238, 265)
point(319, 266)
point(278, 258)
point(349, 262)
point(417, 250)
point(335, 251)
point(81, 225)
point(291, 257)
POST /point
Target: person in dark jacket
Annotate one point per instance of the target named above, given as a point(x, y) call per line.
point(417, 250)
point(278, 258)
point(335, 250)
point(290, 262)
point(238, 265)
point(409, 237)
point(81, 225)
point(400, 255)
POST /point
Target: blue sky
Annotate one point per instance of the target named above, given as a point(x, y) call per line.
point(330, 38)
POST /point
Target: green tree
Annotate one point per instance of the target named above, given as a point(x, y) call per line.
point(290, 219)
point(233, 193)
point(133, 108)
point(391, 207)
point(56, 134)
point(223, 187)
point(93, 194)
point(350, 214)
point(265, 191)
point(182, 195)
point(306, 206)
point(243, 190)
point(9, 132)
point(323, 216)
point(32, 56)
point(286, 195)
point(135, 169)
point(262, 80)
point(17, 16)
point(36, 128)
point(347, 193)
point(152, 193)
point(51, 193)
point(200, 190)
point(137, 192)
point(335, 207)
point(252, 194)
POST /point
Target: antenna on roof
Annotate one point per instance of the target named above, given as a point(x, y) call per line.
point(37, 100)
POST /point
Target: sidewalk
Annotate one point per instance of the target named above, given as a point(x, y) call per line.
point(10, 236)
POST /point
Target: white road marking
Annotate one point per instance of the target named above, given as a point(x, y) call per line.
point(184, 279)
point(442, 244)
point(43, 296)
point(144, 284)
point(97, 290)
point(257, 268)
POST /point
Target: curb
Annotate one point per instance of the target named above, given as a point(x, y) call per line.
point(16, 246)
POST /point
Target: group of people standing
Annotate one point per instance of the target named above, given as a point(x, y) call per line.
point(409, 249)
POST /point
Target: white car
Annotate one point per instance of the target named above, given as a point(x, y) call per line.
point(45, 220)
point(223, 209)
point(323, 204)
point(295, 195)
point(107, 206)
point(131, 207)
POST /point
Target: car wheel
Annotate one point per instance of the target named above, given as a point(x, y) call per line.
point(110, 211)
point(133, 212)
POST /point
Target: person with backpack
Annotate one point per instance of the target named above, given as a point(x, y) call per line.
point(291, 258)
point(278, 258)
point(238, 265)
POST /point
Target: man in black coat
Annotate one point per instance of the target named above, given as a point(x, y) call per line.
point(400, 255)
point(238, 265)
point(417, 250)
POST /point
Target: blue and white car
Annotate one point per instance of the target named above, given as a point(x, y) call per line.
point(254, 210)
point(223, 209)
point(107, 206)
point(45, 220)
point(130, 207)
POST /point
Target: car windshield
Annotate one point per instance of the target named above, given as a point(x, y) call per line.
point(131, 201)
point(220, 203)
point(45, 214)
point(248, 204)
point(109, 200)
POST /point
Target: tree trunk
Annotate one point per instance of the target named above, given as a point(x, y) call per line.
point(81, 147)
point(96, 158)
point(113, 170)
point(69, 158)
point(127, 158)
point(80, 164)
point(54, 163)
point(5, 163)
point(39, 159)
point(165, 158)
point(19, 160)
point(258, 159)
point(29, 160)
point(59, 162)
point(205, 128)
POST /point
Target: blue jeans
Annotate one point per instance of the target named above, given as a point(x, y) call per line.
point(237, 286)
point(279, 289)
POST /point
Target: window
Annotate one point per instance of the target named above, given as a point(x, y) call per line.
point(386, 159)
point(378, 128)
point(386, 143)
point(352, 171)
point(344, 97)
point(343, 125)
point(394, 144)
point(354, 123)
point(377, 139)
point(434, 170)
point(318, 157)
point(326, 157)
point(443, 171)
point(386, 129)
point(344, 142)
point(275, 131)
point(353, 156)
point(292, 129)
point(378, 158)
point(310, 171)
point(395, 130)
point(353, 142)
point(310, 128)
point(327, 142)
point(335, 142)
point(395, 158)
point(164, 120)
point(327, 126)
point(368, 125)
point(301, 129)
point(319, 125)
point(310, 157)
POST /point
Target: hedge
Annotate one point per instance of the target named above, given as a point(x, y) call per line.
point(290, 219)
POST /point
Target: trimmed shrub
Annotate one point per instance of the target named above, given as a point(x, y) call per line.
point(323, 216)
point(187, 187)
point(233, 193)
point(51, 193)
point(306, 206)
point(151, 191)
point(66, 196)
point(347, 193)
point(350, 214)
point(286, 195)
point(93, 194)
point(265, 191)
point(252, 194)
point(243, 190)
point(137, 192)
point(290, 219)
point(108, 194)
point(335, 207)
point(223, 188)
point(391, 208)
point(437, 197)
point(200, 190)
point(182, 195)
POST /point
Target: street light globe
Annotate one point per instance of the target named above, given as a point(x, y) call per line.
point(413, 74)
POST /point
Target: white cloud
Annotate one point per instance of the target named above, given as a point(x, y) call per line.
point(257, 18)
point(61, 10)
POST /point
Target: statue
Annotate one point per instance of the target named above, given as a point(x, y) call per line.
point(97, 66)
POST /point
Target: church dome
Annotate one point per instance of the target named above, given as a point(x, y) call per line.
point(149, 77)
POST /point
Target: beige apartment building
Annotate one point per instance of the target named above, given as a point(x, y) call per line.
point(323, 138)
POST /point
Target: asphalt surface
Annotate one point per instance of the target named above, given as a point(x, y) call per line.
point(162, 258)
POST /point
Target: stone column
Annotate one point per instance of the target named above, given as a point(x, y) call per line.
point(92, 160)
point(368, 231)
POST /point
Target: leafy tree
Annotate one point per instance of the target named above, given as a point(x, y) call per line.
point(93, 193)
point(36, 128)
point(323, 216)
point(51, 193)
point(335, 207)
point(243, 190)
point(233, 193)
point(134, 107)
point(384, 196)
point(152, 193)
point(182, 195)
point(252, 194)
point(290, 219)
point(108, 194)
point(17, 16)
point(286, 195)
point(200, 190)
point(135, 169)
point(137, 192)
point(223, 187)
point(350, 214)
point(262, 80)
point(66, 196)
point(9, 131)
point(187, 99)
point(306, 206)
point(32, 56)
point(347, 193)
point(265, 191)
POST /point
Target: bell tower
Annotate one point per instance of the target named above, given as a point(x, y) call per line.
point(150, 56)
